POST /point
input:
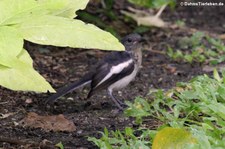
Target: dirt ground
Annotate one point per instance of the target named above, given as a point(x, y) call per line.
point(63, 65)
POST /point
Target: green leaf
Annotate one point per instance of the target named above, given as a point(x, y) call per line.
point(11, 44)
point(216, 75)
point(16, 7)
point(140, 108)
point(60, 145)
point(172, 138)
point(202, 137)
point(18, 10)
point(70, 8)
point(196, 38)
point(59, 31)
point(63, 8)
point(217, 108)
point(22, 76)
point(159, 3)
point(16, 70)
point(32, 20)
point(152, 3)
point(146, 3)
point(25, 57)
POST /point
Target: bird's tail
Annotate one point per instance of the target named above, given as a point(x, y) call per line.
point(69, 88)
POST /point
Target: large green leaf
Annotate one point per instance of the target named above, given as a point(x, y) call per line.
point(69, 7)
point(16, 69)
point(22, 76)
point(72, 7)
point(11, 44)
point(59, 31)
point(63, 8)
point(19, 10)
point(25, 57)
point(45, 22)
point(14, 11)
point(173, 138)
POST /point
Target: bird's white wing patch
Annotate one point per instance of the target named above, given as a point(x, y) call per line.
point(115, 70)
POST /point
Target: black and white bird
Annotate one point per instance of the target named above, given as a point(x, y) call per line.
point(114, 72)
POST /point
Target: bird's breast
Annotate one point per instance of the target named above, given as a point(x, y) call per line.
point(124, 81)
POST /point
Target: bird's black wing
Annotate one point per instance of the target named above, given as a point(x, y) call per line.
point(114, 67)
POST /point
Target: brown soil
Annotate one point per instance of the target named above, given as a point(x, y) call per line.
point(63, 65)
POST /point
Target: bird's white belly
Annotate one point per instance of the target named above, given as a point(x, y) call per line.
point(123, 82)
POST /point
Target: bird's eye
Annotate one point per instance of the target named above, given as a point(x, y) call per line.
point(129, 40)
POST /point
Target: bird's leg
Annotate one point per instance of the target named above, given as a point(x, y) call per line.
point(120, 102)
point(115, 100)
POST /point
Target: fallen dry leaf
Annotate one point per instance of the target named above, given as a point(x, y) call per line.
point(208, 68)
point(54, 123)
point(2, 116)
point(145, 18)
point(222, 36)
point(172, 69)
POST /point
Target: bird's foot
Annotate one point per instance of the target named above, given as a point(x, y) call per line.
point(122, 104)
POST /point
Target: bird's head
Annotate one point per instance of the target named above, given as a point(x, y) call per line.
point(131, 41)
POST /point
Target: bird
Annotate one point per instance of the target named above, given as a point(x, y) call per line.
point(114, 72)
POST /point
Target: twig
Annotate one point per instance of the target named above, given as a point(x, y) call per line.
point(155, 51)
point(139, 12)
point(103, 4)
point(160, 10)
point(24, 142)
point(15, 141)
